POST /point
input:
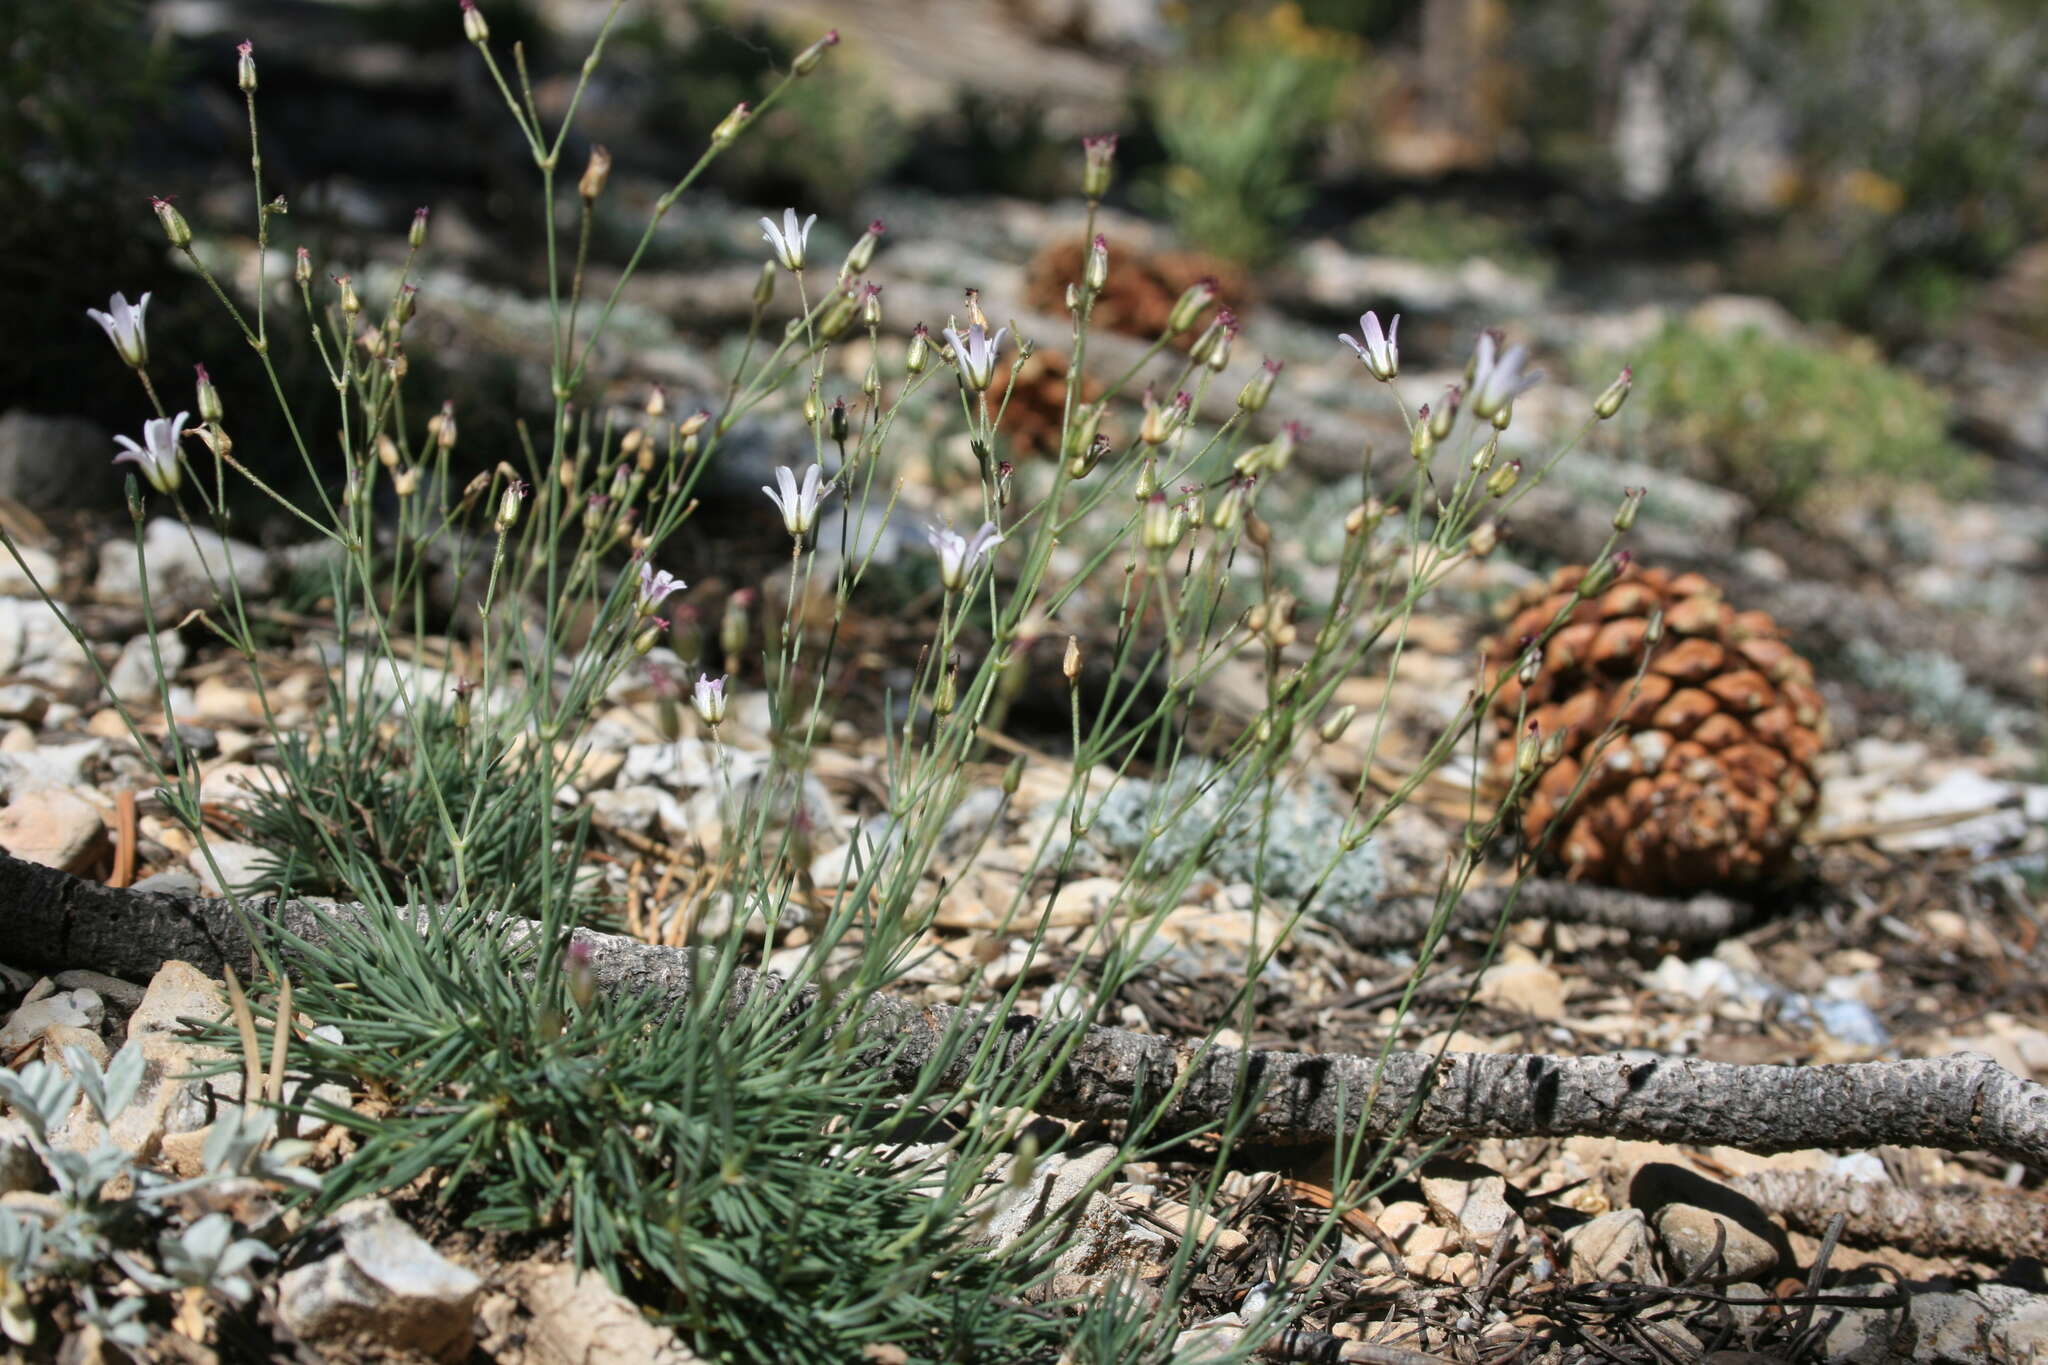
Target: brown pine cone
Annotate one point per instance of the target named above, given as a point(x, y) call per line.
point(1708, 777)
point(1143, 286)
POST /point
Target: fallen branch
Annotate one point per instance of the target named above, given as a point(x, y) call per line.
point(1994, 1224)
point(57, 921)
point(1401, 921)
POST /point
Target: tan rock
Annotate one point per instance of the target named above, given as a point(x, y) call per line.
point(55, 828)
point(578, 1319)
point(1529, 988)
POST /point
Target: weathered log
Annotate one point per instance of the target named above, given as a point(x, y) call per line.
point(56, 921)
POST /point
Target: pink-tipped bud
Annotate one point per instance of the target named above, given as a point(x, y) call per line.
point(807, 61)
point(209, 405)
point(1252, 397)
point(1097, 153)
point(1610, 401)
point(862, 253)
point(1095, 271)
point(302, 268)
point(729, 127)
point(1504, 479)
point(579, 974)
point(473, 26)
point(175, 227)
point(245, 64)
point(1444, 412)
point(596, 172)
point(509, 504)
point(1625, 515)
point(1189, 307)
point(416, 236)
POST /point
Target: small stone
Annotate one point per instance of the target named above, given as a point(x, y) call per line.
point(124, 996)
point(1470, 1197)
point(172, 881)
point(1613, 1246)
point(242, 866)
point(634, 809)
point(178, 991)
point(65, 1009)
point(15, 582)
point(134, 678)
point(1690, 1234)
point(24, 701)
point(183, 566)
point(1529, 988)
point(51, 767)
point(55, 828)
point(578, 1319)
point(383, 1285)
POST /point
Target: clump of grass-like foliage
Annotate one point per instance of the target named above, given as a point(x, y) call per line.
point(728, 1151)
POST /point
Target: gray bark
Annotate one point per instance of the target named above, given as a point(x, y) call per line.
point(56, 921)
point(1401, 921)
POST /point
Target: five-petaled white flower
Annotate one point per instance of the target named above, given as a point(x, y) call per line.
point(789, 239)
point(158, 453)
point(798, 504)
point(959, 554)
point(1497, 377)
point(124, 329)
point(656, 587)
point(708, 696)
point(1380, 352)
point(976, 353)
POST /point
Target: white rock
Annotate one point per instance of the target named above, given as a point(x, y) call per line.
point(383, 1285)
point(178, 562)
point(1524, 988)
point(16, 583)
point(241, 865)
point(35, 642)
point(1614, 1245)
point(1471, 1198)
point(66, 1009)
point(1996, 807)
point(634, 809)
point(24, 701)
point(134, 676)
point(50, 767)
point(55, 828)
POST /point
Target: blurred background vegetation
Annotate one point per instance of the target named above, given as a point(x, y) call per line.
point(1878, 168)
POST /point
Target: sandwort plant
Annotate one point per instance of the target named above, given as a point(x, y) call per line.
point(727, 1146)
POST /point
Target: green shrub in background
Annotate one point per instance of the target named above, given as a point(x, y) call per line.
point(1781, 422)
point(1447, 233)
point(1237, 121)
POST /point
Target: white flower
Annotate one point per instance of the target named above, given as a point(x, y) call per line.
point(656, 586)
point(158, 453)
point(1380, 352)
point(958, 554)
point(124, 329)
point(976, 353)
point(1497, 377)
point(799, 505)
point(789, 239)
point(708, 696)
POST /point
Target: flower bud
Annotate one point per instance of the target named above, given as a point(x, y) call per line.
point(459, 712)
point(649, 636)
point(920, 353)
point(1625, 515)
point(838, 423)
point(1602, 573)
point(1335, 726)
point(1234, 503)
point(416, 235)
point(1530, 751)
point(208, 402)
point(1189, 307)
point(1162, 422)
point(1444, 412)
point(862, 254)
point(1420, 441)
point(1070, 661)
point(1160, 528)
point(1610, 400)
point(442, 425)
point(1484, 538)
point(871, 305)
point(1004, 471)
point(1504, 479)
point(946, 695)
point(1212, 347)
point(1095, 270)
point(1080, 438)
point(1503, 415)
point(1097, 153)
point(473, 26)
point(508, 505)
point(245, 65)
point(1148, 479)
point(1252, 397)
point(597, 171)
point(735, 626)
point(302, 268)
point(1529, 669)
point(1553, 748)
point(729, 127)
point(838, 315)
point(578, 974)
point(693, 424)
point(406, 482)
point(807, 61)
point(387, 450)
point(175, 227)
point(350, 304)
point(1013, 776)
